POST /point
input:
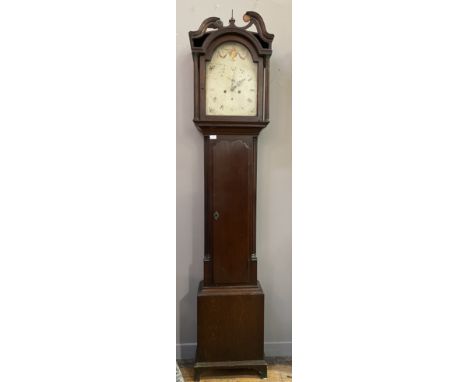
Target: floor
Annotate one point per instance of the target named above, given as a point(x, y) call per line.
point(279, 370)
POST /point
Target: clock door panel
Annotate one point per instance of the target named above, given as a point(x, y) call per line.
point(232, 162)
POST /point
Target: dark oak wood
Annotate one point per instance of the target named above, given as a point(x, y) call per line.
point(230, 303)
point(259, 366)
point(235, 332)
point(231, 335)
point(232, 163)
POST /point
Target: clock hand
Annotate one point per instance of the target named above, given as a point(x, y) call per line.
point(237, 84)
point(232, 84)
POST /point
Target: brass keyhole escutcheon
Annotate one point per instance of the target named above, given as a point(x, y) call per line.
point(216, 215)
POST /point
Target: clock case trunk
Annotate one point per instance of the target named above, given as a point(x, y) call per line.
point(230, 301)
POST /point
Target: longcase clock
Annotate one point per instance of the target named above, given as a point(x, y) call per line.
point(231, 78)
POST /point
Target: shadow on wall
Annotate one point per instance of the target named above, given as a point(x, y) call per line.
point(188, 303)
point(190, 228)
point(187, 310)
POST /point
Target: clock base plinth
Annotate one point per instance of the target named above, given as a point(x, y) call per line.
point(260, 366)
point(230, 328)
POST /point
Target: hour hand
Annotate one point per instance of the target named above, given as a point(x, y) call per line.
point(239, 82)
point(232, 84)
point(233, 87)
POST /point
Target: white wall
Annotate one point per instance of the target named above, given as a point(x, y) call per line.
point(274, 176)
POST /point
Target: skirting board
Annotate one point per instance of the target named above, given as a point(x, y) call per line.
point(272, 349)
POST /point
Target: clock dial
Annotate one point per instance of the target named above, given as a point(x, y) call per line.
point(231, 81)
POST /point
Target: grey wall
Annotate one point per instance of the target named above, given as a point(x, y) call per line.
point(274, 176)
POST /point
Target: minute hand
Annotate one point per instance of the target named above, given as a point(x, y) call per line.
point(237, 84)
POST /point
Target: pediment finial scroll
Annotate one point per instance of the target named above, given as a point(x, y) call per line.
point(253, 18)
point(210, 22)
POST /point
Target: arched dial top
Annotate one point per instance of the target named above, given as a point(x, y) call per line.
point(231, 81)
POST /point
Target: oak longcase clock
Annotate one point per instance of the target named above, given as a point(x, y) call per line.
point(231, 78)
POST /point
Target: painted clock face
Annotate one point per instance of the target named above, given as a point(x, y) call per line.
point(231, 81)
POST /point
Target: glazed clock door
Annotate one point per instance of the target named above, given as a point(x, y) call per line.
point(232, 183)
